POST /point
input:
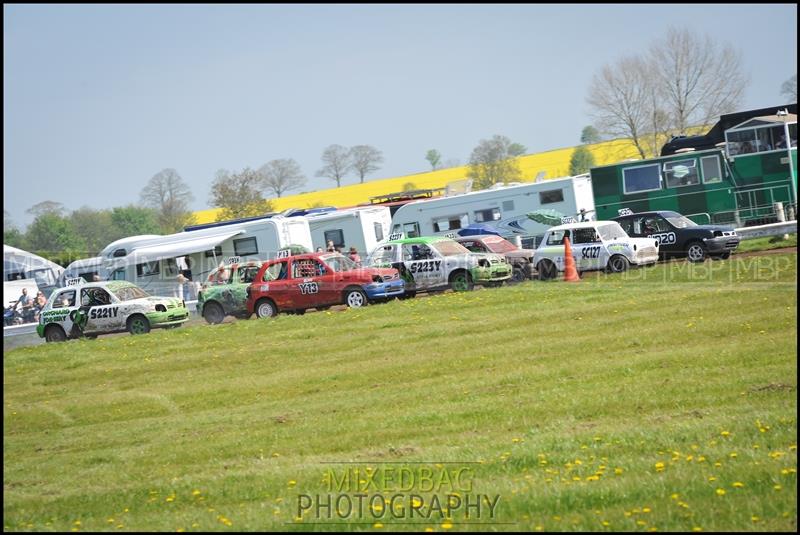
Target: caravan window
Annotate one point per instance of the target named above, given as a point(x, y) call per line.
point(711, 170)
point(455, 222)
point(681, 173)
point(216, 251)
point(245, 246)
point(170, 267)
point(411, 230)
point(15, 276)
point(641, 178)
point(492, 214)
point(378, 231)
point(508, 205)
point(118, 275)
point(549, 197)
point(336, 236)
point(147, 269)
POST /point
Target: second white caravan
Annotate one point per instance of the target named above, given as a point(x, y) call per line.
point(502, 208)
point(362, 228)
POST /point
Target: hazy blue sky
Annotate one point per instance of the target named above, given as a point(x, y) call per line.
point(97, 99)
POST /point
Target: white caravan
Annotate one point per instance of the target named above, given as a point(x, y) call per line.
point(362, 228)
point(154, 262)
point(503, 208)
point(85, 268)
point(22, 265)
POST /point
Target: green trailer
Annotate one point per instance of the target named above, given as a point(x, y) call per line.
point(737, 180)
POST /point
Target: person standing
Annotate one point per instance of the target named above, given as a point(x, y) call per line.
point(353, 255)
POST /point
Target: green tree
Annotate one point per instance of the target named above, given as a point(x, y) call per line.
point(492, 163)
point(581, 161)
point(133, 221)
point(434, 158)
point(239, 194)
point(590, 134)
point(52, 236)
point(95, 226)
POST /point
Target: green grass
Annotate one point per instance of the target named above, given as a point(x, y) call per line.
point(765, 244)
point(623, 402)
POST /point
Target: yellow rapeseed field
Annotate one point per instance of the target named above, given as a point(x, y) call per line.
point(555, 163)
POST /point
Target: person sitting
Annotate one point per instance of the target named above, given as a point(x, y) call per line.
point(353, 255)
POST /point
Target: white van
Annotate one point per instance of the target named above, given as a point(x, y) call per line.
point(502, 208)
point(362, 228)
point(154, 263)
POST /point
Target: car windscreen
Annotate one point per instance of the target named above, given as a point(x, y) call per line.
point(340, 263)
point(499, 245)
point(128, 293)
point(680, 221)
point(449, 248)
point(611, 231)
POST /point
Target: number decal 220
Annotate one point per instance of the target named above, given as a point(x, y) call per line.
point(591, 252)
point(308, 288)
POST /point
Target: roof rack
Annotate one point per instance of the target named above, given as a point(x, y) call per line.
point(407, 195)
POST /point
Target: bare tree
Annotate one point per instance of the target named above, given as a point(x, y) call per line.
point(698, 80)
point(434, 158)
point(169, 195)
point(280, 176)
point(517, 149)
point(46, 207)
point(337, 163)
point(789, 89)
point(619, 98)
point(491, 162)
point(365, 160)
point(239, 194)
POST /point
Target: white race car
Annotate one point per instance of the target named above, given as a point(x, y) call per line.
point(97, 308)
point(595, 245)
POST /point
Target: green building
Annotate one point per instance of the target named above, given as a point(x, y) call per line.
point(734, 174)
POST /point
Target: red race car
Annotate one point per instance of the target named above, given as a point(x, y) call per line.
point(315, 280)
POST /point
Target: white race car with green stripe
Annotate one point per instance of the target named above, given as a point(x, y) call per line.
point(91, 309)
point(595, 245)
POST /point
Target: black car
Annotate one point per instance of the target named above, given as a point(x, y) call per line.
point(680, 236)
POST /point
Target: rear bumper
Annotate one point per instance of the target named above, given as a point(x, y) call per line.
point(382, 290)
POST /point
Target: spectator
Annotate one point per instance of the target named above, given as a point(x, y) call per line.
point(331, 248)
point(26, 306)
point(319, 250)
point(96, 278)
point(39, 304)
point(353, 255)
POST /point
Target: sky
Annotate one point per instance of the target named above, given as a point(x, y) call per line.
point(99, 98)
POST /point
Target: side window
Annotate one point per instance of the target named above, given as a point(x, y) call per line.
point(653, 224)
point(248, 274)
point(681, 173)
point(552, 196)
point(586, 235)
point(711, 170)
point(491, 214)
point(275, 272)
point(214, 253)
point(443, 224)
point(146, 269)
point(169, 267)
point(641, 178)
point(118, 275)
point(383, 256)
point(378, 231)
point(245, 246)
point(627, 226)
point(336, 236)
point(474, 246)
point(411, 230)
point(65, 299)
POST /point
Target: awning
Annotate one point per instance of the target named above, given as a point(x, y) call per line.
point(175, 247)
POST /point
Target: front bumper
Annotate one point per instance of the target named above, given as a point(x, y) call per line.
point(172, 316)
point(383, 290)
point(722, 244)
point(493, 273)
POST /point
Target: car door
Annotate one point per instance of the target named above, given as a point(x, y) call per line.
point(658, 228)
point(102, 312)
point(424, 265)
point(276, 283)
point(306, 288)
point(587, 249)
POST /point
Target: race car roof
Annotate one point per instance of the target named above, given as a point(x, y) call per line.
point(585, 224)
point(419, 239)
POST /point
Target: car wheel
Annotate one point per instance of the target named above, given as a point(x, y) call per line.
point(54, 333)
point(725, 256)
point(518, 275)
point(213, 313)
point(546, 270)
point(138, 325)
point(266, 309)
point(696, 252)
point(461, 281)
point(407, 295)
point(618, 264)
point(355, 297)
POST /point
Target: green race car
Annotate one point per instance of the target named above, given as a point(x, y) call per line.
point(224, 293)
point(91, 309)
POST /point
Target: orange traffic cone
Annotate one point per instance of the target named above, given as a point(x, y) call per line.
point(570, 272)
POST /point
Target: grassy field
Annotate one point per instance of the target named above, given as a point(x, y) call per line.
point(765, 244)
point(661, 399)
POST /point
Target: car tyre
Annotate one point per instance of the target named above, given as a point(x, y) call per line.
point(696, 251)
point(54, 333)
point(618, 264)
point(518, 275)
point(266, 309)
point(213, 313)
point(138, 324)
point(725, 256)
point(461, 281)
point(355, 298)
point(546, 269)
